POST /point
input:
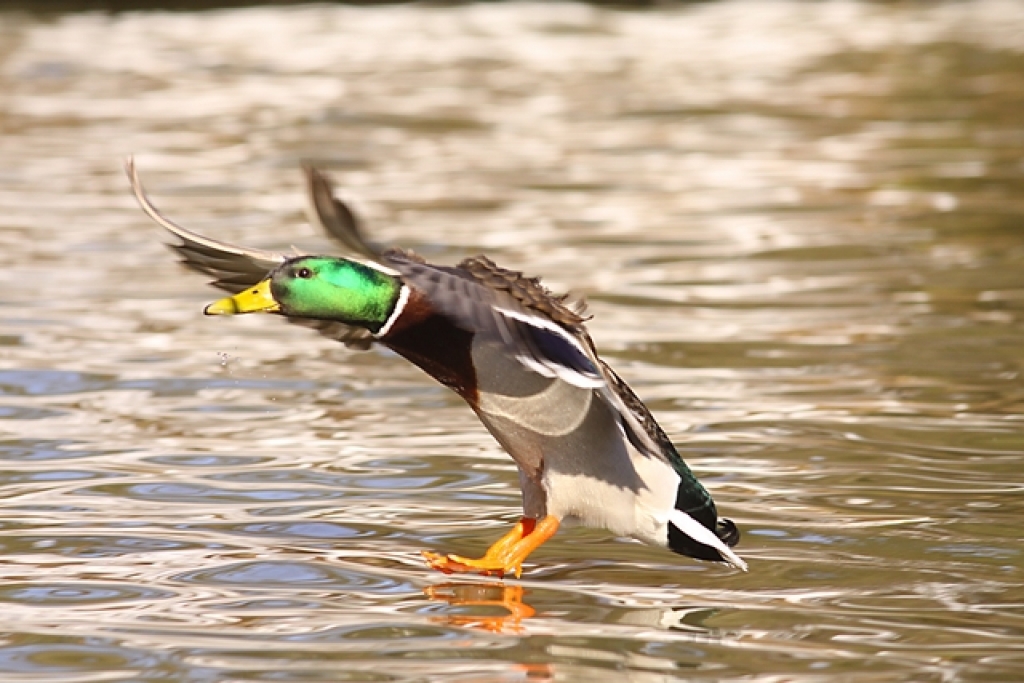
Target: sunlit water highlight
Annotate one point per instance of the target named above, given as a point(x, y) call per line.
point(798, 226)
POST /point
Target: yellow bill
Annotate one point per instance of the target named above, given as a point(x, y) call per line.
point(256, 299)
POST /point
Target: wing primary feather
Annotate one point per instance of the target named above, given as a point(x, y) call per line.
point(234, 267)
point(333, 215)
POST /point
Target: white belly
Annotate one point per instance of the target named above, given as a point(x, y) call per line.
point(639, 509)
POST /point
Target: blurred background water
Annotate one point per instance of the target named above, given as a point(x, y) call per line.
point(799, 229)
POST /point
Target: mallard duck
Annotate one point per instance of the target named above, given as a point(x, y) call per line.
point(587, 449)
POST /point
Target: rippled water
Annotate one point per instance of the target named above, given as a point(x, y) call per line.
point(799, 228)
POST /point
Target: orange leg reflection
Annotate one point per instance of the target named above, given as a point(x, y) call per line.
point(506, 555)
point(483, 595)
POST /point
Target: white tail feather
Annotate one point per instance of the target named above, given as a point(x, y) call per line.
point(700, 533)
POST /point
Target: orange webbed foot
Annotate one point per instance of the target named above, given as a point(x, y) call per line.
point(505, 556)
point(456, 564)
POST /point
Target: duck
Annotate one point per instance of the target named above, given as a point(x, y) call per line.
point(587, 450)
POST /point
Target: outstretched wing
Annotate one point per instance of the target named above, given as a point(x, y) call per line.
point(233, 268)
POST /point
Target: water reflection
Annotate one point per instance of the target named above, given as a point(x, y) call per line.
point(508, 598)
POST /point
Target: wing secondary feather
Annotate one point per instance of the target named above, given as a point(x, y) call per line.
point(536, 341)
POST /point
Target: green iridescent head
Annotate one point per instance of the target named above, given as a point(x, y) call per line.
point(320, 287)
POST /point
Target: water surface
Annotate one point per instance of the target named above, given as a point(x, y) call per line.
point(799, 230)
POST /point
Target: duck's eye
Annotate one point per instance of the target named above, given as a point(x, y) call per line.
point(304, 273)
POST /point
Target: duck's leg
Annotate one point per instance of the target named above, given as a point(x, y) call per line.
point(506, 555)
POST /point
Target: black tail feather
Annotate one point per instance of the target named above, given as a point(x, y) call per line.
point(727, 530)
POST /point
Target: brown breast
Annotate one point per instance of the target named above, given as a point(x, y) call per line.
point(432, 343)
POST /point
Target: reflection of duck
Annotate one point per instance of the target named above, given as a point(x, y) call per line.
point(485, 596)
point(587, 449)
point(688, 619)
